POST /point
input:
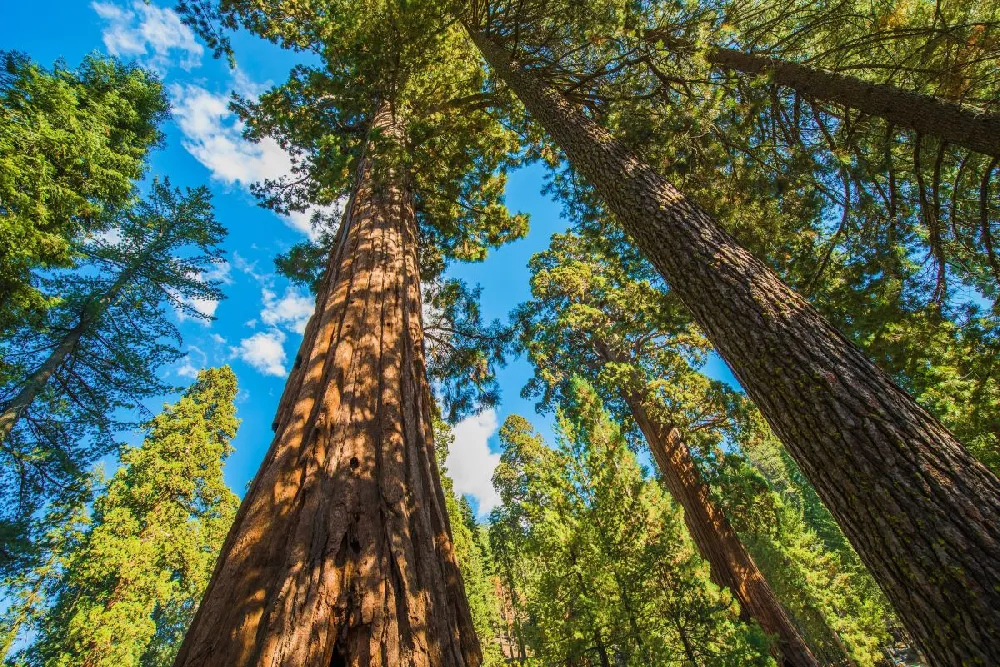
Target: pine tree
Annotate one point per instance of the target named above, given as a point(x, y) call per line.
point(71, 144)
point(598, 310)
point(99, 350)
point(342, 551)
point(904, 490)
point(130, 588)
point(30, 589)
point(603, 572)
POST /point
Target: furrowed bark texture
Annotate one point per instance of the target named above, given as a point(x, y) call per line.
point(341, 552)
point(923, 114)
point(731, 566)
point(920, 511)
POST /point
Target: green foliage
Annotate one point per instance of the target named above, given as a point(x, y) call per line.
point(600, 312)
point(800, 549)
point(473, 555)
point(71, 144)
point(131, 586)
point(595, 555)
point(28, 591)
point(113, 308)
point(409, 56)
point(891, 235)
point(463, 351)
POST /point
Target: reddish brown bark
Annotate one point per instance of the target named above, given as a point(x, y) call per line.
point(731, 566)
point(341, 552)
point(921, 512)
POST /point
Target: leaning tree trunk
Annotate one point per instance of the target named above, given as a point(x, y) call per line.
point(924, 114)
point(91, 314)
point(921, 512)
point(731, 566)
point(341, 552)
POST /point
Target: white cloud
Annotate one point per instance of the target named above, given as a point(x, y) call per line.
point(293, 309)
point(214, 136)
point(147, 30)
point(245, 265)
point(221, 272)
point(187, 369)
point(218, 339)
point(204, 307)
point(470, 462)
point(264, 351)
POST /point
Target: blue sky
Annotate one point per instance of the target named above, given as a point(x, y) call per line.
point(258, 327)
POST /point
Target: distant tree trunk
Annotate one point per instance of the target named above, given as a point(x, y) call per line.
point(91, 313)
point(602, 651)
point(341, 552)
point(921, 512)
point(731, 566)
point(924, 114)
point(13, 411)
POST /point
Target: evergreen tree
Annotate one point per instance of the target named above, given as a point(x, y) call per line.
point(29, 590)
point(97, 353)
point(600, 311)
point(71, 144)
point(392, 116)
point(131, 586)
point(916, 505)
point(885, 232)
point(603, 574)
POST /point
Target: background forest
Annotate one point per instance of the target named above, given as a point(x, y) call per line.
point(546, 325)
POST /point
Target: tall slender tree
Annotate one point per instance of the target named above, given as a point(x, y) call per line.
point(920, 510)
point(598, 310)
point(98, 351)
point(130, 587)
point(342, 552)
point(603, 568)
point(72, 141)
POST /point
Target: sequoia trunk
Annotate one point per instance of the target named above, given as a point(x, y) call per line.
point(923, 114)
point(731, 566)
point(341, 552)
point(922, 513)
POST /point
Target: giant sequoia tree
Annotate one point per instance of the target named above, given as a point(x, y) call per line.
point(916, 505)
point(341, 552)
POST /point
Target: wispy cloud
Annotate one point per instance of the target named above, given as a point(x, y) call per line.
point(220, 272)
point(189, 368)
point(264, 351)
point(292, 310)
point(470, 462)
point(213, 134)
point(154, 34)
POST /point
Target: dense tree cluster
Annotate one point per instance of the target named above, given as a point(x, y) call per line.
point(808, 191)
